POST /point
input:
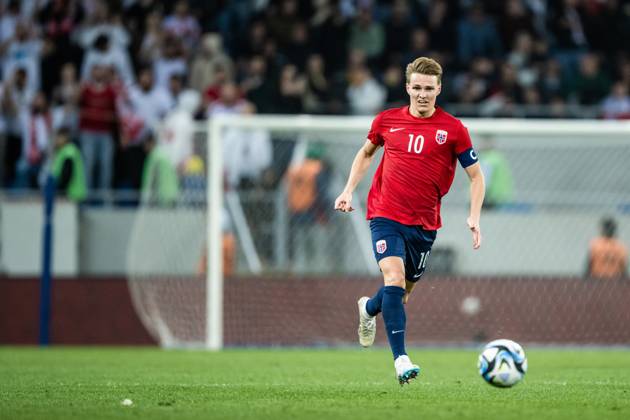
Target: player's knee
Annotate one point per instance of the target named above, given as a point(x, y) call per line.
point(394, 279)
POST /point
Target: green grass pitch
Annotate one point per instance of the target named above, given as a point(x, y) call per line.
point(91, 383)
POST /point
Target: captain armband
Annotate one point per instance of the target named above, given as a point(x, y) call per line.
point(467, 157)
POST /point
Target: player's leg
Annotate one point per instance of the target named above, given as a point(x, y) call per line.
point(409, 285)
point(374, 305)
point(418, 243)
point(368, 309)
point(386, 241)
point(394, 317)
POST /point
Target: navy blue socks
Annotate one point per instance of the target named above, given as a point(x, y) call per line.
point(374, 305)
point(394, 318)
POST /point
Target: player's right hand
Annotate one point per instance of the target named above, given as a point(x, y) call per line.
point(344, 202)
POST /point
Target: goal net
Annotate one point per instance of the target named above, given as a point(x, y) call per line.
point(249, 251)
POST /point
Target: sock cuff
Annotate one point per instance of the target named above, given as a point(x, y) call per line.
point(394, 290)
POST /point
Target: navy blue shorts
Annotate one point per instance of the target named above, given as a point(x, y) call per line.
point(411, 243)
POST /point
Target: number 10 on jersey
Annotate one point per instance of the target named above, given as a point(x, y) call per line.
point(416, 143)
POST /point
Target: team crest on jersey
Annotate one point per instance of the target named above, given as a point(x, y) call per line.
point(381, 246)
point(440, 136)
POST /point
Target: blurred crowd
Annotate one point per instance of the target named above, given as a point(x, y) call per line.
point(108, 72)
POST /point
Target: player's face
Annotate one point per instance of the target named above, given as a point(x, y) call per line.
point(423, 89)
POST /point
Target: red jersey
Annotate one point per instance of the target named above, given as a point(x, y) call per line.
point(97, 108)
point(418, 165)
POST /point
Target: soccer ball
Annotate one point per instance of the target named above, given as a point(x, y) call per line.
point(502, 363)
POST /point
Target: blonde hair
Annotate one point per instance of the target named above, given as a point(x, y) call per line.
point(424, 65)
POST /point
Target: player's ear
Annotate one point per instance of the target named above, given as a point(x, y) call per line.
point(408, 89)
point(439, 88)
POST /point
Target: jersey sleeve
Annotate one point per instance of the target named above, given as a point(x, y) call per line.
point(464, 149)
point(463, 140)
point(375, 131)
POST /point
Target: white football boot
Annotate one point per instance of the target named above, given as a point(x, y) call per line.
point(405, 370)
point(367, 324)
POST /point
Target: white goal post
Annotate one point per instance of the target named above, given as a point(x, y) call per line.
point(616, 132)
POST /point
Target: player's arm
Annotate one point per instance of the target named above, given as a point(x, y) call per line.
point(361, 163)
point(477, 192)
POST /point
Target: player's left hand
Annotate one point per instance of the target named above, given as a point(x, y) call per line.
point(473, 225)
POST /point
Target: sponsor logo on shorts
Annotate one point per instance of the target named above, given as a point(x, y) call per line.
point(440, 136)
point(381, 246)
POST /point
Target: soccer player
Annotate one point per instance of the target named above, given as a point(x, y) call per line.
point(422, 144)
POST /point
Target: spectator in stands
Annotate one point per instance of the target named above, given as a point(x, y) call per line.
point(176, 85)
point(183, 25)
point(393, 79)
point(137, 12)
point(477, 36)
point(292, 86)
point(221, 77)
point(367, 35)
point(247, 154)
point(252, 43)
point(257, 85)
point(474, 86)
point(330, 28)
point(178, 129)
point(151, 103)
point(516, 19)
point(282, 17)
point(298, 47)
point(558, 108)
point(8, 20)
point(317, 92)
point(419, 46)
point(508, 90)
point(607, 256)
point(441, 20)
point(230, 101)
point(397, 30)
point(103, 19)
point(16, 103)
point(65, 97)
point(36, 137)
point(23, 51)
point(59, 20)
point(97, 120)
point(617, 104)
point(208, 59)
point(365, 95)
point(171, 61)
point(591, 84)
point(551, 81)
point(67, 167)
point(522, 58)
point(102, 52)
point(152, 38)
point(567, 31)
